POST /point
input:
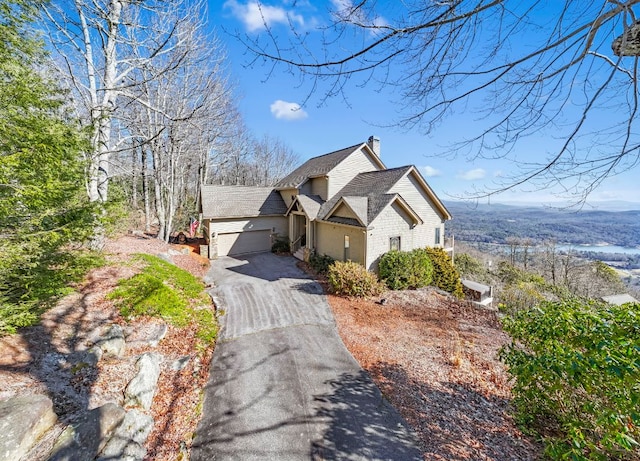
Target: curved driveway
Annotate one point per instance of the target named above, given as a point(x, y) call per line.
point(282, 384)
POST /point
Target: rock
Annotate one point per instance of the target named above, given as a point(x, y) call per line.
point(147, 336)
point(112, 342)
point(23, 420)
point(83, 359)
point(142, 387)
point(165, 257)
point(127, 442)
point(180, 363)
point(85, 438)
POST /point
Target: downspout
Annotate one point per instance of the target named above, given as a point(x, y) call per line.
point(366, 244)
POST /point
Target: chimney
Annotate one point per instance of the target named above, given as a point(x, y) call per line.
point(374, 144)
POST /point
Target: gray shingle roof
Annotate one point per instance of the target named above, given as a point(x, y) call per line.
point(359, 205)
point(373, 185)
point(240, 201)
point(316, 166)
point(311, 204)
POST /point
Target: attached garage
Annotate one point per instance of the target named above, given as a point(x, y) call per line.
point(238, 243)
point(240, 220)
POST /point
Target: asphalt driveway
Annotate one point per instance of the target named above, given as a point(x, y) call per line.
point(282, 385)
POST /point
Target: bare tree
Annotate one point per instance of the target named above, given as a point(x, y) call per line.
point(179, 110)
point(271, 160)
point(564, 70)
point(94, 42)
point(514, 248)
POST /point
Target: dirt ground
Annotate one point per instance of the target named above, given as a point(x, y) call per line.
point(435, 359)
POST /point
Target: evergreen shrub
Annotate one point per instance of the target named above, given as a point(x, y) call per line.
point(445, 275)
point(401, 270)
point(352, 279)
point(576, 371)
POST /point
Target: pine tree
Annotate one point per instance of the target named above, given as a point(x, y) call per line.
point(43, 206)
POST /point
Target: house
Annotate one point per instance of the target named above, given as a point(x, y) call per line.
point(345, 204)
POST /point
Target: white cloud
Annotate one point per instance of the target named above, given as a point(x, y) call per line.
point(255, 14)
point(477, 173)
point(287, 110)
point(430, 171)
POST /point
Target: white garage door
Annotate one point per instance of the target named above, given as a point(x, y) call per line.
point(237, 243)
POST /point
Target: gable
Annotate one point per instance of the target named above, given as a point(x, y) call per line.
point(307, 204)
point(314, 167)
point(361, 160)
point(339, 166)
point(417, 193)
point(349, 210)
point(393, 219)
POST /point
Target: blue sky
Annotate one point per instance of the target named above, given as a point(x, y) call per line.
point(270, 105)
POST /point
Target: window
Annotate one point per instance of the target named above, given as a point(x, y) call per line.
point(437, 241)
point(346, 248)
point(394, 243)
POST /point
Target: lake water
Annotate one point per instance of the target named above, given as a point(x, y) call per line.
point(600, 249)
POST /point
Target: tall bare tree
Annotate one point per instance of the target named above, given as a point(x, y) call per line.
point(179, 110)
point(566, 70)
point(94, 42)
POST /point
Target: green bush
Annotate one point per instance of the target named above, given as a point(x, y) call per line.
point(576, 370)
point(510, 274)
point(37, 282)
point(518, 296)
point(401, 269)
point(352, 279)
point(166, 291)
point(445, 275)
point(321, 263)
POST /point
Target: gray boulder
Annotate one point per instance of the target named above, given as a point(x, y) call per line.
point(83, 440)
point(127, 442)
point(23, 420)
point(112, 342)
point(143, 386)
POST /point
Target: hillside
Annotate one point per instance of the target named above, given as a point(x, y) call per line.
point(435, 359)
point(495, 223)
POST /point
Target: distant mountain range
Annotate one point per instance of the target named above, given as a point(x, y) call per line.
point(603, 205)
point(615, 223)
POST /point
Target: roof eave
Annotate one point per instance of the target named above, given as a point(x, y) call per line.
point(407, 208)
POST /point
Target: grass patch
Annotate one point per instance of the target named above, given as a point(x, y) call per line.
point(166, 291)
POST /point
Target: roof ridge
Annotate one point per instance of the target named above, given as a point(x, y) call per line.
point(337, 150)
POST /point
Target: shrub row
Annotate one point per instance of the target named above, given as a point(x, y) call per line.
point(399, 270)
